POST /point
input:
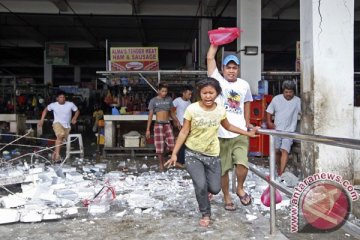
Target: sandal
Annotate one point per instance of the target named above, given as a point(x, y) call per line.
point(245, 200)
point(204, 222)
point(230, 206)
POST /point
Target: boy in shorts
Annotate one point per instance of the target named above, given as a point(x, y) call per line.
point(162, 107)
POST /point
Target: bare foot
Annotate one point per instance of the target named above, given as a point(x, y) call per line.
point(161, 168)
point(204, 221)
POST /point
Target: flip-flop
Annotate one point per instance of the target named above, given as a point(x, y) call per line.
point(244, 198)
point(230, 206)
point(204, 222)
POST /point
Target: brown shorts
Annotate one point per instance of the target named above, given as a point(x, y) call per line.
point(60, 131)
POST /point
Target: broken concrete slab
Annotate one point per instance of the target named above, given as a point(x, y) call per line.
point(30, 216)
point(9, 216)
point(12, 201)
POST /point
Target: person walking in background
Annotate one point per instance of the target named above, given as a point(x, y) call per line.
point(202, 120)
point(236, 98)
point(180, 104)
point(286, 108)
point(162, 107)
point(98, 114)
point(63, 119)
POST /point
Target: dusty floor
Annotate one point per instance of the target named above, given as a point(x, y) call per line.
point(177, 221)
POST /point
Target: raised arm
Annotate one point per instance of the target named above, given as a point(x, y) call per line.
point(210, 58)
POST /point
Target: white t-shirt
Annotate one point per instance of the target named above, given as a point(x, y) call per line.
point(62, 112)
point(286, 112)
point(181, 106)
point(233, 97)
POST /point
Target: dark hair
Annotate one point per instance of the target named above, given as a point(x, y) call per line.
point(288, 84)
point(186, 88)
point(208, 82)
point(60, 93)
point(162, 85)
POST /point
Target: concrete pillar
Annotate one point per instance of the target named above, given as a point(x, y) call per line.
point(189, 60)
point(48, 72)
point(204, 43)
point(327, 81)
point(357, 152)
point(77, 74)
point(249, 20)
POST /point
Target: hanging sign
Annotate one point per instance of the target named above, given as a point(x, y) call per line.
point(134, 59)
point(56, 53)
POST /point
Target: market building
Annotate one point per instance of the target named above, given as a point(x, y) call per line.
point(113, 54)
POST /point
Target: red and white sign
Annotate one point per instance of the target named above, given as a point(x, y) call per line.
point(134, 59)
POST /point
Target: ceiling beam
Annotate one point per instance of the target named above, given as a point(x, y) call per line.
point(61, 5)
point(136, 6)
point(285, 7)
point(33, 32)
point(90, 37)
point(210, 7)
point(140, 26)
point(265, 4)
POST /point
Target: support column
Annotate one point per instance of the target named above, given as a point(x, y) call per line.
point(48, 72)
point(189, 60)
point(327, 81)
point(204, 43)
point(249, 20)
point(77, 74)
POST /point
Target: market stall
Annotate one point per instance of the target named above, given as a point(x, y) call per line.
point(128, 95)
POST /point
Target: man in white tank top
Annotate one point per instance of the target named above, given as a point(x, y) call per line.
point(62, 110)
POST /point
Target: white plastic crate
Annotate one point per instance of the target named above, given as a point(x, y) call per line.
point(131, 141)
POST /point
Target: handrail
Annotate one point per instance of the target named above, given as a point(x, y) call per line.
point(334, 141)
point(282, 188)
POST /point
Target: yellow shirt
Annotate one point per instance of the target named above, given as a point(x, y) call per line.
point(203, 136)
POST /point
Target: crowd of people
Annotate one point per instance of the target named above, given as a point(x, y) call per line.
point(215, 130)
point(212, 133)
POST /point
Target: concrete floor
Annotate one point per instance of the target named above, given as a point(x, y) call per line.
point(174, 223)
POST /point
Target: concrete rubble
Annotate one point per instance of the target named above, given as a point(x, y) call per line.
point(56, 192)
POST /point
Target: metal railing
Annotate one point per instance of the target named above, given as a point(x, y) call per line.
point(334, 141)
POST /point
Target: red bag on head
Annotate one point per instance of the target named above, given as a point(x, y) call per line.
point(223, 36)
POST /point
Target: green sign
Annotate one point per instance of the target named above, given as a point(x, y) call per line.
point(57, 53)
